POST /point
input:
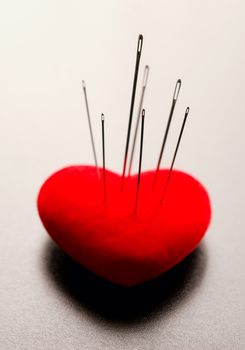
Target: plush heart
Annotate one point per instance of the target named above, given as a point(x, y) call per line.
point(109, 238)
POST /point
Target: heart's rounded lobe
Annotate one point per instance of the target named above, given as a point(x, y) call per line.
point(109, 237)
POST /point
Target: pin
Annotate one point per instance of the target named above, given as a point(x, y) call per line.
point(103, 152)
point(145, 79)
point(90, 127)
point(138, 55)
point(175, 154)
point(175, 97)
point(140, 158)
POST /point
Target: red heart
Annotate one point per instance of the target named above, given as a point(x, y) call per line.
point(108, 238)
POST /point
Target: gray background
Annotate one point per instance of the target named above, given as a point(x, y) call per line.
point(47, 48)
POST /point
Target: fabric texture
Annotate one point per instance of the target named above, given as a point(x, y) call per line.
point(107, 235)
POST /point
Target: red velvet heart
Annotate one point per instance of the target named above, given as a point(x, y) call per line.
point(108, 238)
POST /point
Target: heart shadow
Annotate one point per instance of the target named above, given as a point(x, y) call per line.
point(124, 304)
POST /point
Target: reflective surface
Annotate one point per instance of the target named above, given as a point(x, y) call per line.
point(119, 304)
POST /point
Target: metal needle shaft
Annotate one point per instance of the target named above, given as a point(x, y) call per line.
point(103, 152)
point(175, 154)
point(90, 127)
point(140, 159)
point(145, 79)
point(138, 55)
point(175, 97)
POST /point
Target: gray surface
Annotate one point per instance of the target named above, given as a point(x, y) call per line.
point(47, 48)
